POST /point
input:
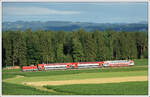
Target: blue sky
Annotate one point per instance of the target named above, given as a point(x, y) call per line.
point(76, 12)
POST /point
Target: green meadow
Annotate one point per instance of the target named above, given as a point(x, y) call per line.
point(12, 81)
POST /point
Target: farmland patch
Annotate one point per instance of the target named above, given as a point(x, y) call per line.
point(89, 81)
point(79, 76)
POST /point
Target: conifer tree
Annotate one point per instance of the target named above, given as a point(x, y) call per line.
point(90, 48)
point(77, 50)
point(59, 52)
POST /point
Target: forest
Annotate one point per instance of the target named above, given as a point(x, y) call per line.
point(29, 47)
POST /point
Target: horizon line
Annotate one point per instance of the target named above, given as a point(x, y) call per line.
point(78, 22)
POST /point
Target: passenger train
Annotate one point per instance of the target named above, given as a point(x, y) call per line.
point(79, 65)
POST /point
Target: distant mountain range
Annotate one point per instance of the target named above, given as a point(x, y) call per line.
point(69, 26)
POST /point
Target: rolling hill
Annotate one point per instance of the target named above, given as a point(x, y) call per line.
point(69, 26)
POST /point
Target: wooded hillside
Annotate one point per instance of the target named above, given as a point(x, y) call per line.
point(30, 47)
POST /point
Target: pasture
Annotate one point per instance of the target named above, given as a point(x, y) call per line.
point(97, 81)
point(123, 88)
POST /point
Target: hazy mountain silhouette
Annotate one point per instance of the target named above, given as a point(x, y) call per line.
point(69, 26)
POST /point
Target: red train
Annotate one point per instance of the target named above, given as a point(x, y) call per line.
point(29, 68)
point(76, 65)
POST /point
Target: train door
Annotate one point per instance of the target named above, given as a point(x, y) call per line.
point(72, 66)
point(41, 66)
point(105, 64)
point(100, 64)
point(76, 65)
point(68, 66)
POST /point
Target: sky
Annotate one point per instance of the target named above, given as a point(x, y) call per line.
point(76, 12)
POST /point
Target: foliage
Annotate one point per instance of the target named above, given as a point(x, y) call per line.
point(28, 47)
point(77, 52)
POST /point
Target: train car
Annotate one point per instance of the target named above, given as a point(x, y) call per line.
point(41, 67)
point(89, 64)
point(55, 66)
point(72, 65)
point(118, 63)
point(29, 68)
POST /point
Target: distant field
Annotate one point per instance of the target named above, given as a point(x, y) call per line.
point(13, 80)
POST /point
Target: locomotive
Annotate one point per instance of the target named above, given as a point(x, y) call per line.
point(78, 65)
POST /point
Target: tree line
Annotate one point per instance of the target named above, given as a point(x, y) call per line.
point(28, 47)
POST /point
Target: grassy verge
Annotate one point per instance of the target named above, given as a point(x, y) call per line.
point(141, 62)
point(124, 88)
point(11, 70)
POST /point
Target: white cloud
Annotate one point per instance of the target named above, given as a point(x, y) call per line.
point(35, 11)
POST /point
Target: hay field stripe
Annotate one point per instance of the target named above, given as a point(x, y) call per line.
point(89, 81)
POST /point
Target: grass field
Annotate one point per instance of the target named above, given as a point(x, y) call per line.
point(16, 89)
point(124, 88)
point(14, 81)
point(141, 62)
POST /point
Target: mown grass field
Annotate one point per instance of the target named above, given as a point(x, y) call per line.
point(77, 76)
point(13, 81)
point(123, 88)
point(13, 89)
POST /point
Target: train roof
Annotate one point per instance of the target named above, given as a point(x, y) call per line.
point(71, 63)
